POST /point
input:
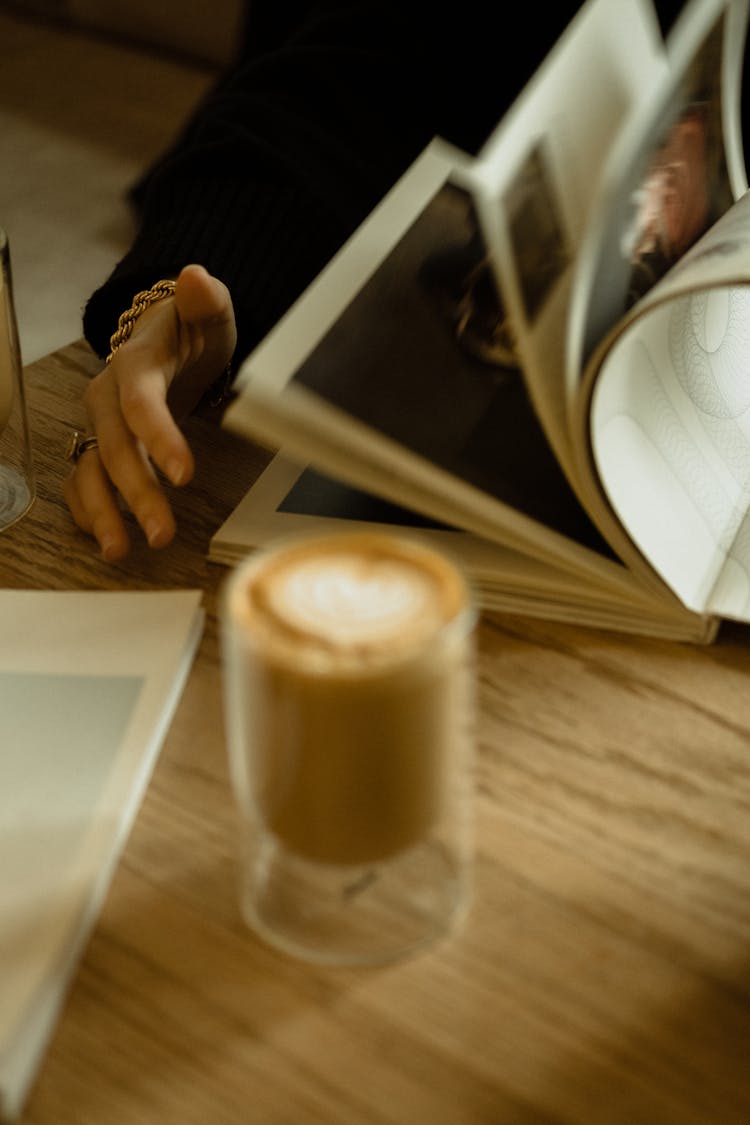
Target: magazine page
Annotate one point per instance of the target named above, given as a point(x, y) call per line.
point(732, 69)
point(670, 422)
point(667, 181)
point(670, 467)
point(292, 500)
point(675, 168)
point(397, 372)
point(538, 176)
point(289, 499)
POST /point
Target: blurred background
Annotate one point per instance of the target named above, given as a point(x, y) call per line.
point(90, 91)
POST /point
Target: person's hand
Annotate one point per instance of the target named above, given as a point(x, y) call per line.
point(178, 347)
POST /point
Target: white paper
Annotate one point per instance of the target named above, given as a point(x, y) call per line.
point(670, 422)
point(88, 685)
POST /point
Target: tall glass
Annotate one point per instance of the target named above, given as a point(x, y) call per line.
point(349, 687)
point(16, 464)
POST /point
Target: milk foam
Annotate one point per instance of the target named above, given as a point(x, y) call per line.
point(350, 599)
point(364, 595)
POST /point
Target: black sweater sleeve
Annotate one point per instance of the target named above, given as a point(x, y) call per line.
point(294, 145)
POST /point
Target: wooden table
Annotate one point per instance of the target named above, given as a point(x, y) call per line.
point(603, 974)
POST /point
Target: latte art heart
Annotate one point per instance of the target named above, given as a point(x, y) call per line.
point(349, 599)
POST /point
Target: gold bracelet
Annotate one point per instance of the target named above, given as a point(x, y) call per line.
point(219, 392)
point(141, 302)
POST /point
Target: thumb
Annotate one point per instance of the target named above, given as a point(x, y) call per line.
point(202, 299)
point(208, 334)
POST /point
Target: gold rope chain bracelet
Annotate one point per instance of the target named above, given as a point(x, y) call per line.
point(220, 390)
point(140, 303)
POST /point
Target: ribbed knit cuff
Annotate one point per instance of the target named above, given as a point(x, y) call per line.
point(266, 242)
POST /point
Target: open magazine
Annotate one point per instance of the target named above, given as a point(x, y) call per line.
point(537, 356)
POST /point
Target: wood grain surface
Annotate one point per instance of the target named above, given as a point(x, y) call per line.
point(603, 975)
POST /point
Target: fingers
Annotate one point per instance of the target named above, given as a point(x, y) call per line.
point(127, 408)
point(122, 462)
point(178, 347)
point(127, 405)
point(120, 467)
point(92, 503)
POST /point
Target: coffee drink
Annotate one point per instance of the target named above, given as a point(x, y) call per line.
point(354, 652)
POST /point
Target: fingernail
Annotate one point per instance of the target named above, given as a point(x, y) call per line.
point(153, 531)
point(107, 545)
point(175, 470)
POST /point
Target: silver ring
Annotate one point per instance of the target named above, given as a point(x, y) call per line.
point(78, 444)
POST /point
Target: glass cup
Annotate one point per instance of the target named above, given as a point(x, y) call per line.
point(16, 465)
point(349, 697)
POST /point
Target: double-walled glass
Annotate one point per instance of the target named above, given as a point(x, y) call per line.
point(349, 687)
point(16, 463)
